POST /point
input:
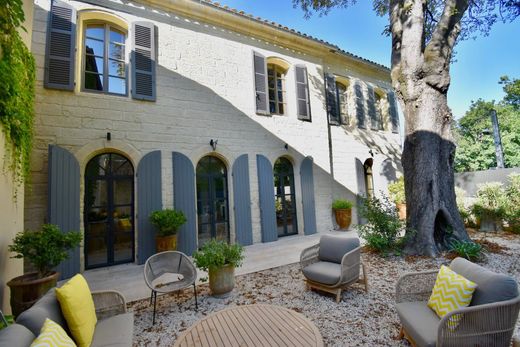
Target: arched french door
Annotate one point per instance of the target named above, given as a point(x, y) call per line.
point(285, 201)
point(109, 211)
point(369, 180)
point(212, 200)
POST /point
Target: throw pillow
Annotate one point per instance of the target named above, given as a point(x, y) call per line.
point(78, 309)
point(52, 335)
point(450, 292)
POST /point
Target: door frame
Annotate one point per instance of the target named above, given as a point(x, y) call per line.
point(293, 198)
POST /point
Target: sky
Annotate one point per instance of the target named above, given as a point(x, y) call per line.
point(475, 73)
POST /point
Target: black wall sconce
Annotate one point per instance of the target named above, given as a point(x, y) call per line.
point(371, 153)
point(213, 144)
point(286, 146)
point(109, 136)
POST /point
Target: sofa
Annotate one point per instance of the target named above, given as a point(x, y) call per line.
point(114, 326)
point(489, 320)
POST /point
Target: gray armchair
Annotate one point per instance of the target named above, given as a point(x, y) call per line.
point(333, 264)
point(488, 321)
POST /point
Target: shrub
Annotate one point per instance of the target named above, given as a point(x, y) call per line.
point(464, 212)
point(396, 190)
point(467, 249)
point(167, 221)
point(341, 204)
point(512, 202)
point(215, 254)
point(490, 201)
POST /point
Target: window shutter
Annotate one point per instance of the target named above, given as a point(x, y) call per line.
point(372, 112)
point(360, 107)
point(302, 93)
point(392, 109)
point(260, 67)
point(61, 47)
point(143, 61)
point(332, 99)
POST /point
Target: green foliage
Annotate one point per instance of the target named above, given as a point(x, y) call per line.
point(383, 229)
point(490, 201)
point(512, 203)
point(167, 221)
point(215, 254)
point(45, 248)
point(340, 204)
point(396, 190)
point(17, 74)
point(466, 249)
point(9, 319)
point(512, 90)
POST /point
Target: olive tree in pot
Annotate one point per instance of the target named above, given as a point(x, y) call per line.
point(167, 222)
point(44, 249)
point(219, 259)
point(343, 212)
point(489, 207)
point(396, 192)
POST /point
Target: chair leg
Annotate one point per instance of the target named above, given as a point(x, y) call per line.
point(151, 297)
point(195, 290)
point(365, 277)
point(338, 295)
point(154, 306)
point(401, 333)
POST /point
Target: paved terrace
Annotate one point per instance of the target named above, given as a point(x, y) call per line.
point(128, 278)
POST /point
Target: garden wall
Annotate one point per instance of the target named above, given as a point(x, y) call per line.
point(469, 181)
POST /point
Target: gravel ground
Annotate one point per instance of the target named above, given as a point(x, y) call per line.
point(360, 319)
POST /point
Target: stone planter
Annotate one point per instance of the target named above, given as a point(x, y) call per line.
point(401, 210)
point(166, 243)
point(222, 281)
point(343, 217)
point(490, 224)
point(28, 288)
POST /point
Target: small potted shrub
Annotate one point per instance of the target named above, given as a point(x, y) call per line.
point(489, 207)
point(44, 249)
point(167, 222)
point(396, 191)
point(343, 212)
point(219, 259)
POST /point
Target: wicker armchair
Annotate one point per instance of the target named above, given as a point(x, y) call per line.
point(108, 303)
point(333, 264)
point(486, 322)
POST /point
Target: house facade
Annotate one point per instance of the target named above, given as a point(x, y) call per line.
point(248, 127)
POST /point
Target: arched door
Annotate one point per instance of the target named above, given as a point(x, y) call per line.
point(285, 202)
point(109, 211)
point(212, 200)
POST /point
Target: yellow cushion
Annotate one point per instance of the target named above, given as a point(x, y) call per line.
point(78, 309)
point(52, 335)
point(451, 292)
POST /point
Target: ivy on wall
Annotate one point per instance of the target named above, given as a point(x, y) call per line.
point(17, 74)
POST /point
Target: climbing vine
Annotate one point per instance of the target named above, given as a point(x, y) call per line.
point(17, 74)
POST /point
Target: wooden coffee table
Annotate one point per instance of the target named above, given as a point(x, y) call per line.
point(252, 325)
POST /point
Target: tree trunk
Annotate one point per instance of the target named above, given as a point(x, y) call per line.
point(428, 157)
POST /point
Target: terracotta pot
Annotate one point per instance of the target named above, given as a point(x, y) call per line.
point(401, 208)
point(222, 281)
point(28, 288)
point(343, 217)
point(166, 243)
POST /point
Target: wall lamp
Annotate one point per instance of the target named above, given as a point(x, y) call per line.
point(213, 144)
point(109, 136)
point(286, 146)
point(371, 153)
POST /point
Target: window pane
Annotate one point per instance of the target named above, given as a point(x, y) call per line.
point(96, 32)
point(280, 109)
point(116, 85)
point(117, 36)
point(270, 82)
point(93, 81)
point(280, 95)
point(93, 64)
point(94, 47)
point(271, 94)
point(272, 107)
point(116, 51)
point(279, 84)
point(116, 68)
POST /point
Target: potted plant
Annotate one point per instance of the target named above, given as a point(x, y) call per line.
point(167, 222)
point(343, 212)
point(489, 207)
point(219, 259)
point(396, 190)
point(44, 249)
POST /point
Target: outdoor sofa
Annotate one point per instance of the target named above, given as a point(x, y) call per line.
point(114, 326)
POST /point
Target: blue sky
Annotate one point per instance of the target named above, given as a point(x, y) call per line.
point(475, 74)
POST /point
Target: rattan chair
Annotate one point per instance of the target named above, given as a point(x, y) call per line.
point(488, 321)
point(333, 264)
point(158, 270)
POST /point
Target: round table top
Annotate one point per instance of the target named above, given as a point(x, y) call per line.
point(252, 325)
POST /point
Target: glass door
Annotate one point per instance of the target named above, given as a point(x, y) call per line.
point(285, 198)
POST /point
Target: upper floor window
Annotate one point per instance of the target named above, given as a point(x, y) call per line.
point(341, 91)
point(276, 85)
point(379, 110)
point(104, 68)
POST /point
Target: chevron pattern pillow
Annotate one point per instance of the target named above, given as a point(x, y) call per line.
point(52, 335)
point(451, 292)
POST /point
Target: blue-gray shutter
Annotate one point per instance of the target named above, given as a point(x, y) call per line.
point(61, 47)
point(266, 194)
point(332, 99)
point(360, 105)
point(392, 109)
point(260, 71)
point(184, 200)
point(362, 190)
point(63, 201)
point(372, 112)
point(242, 201)
point(309, 207)
point(302, 93)
point(143, 61)
point(149, 199)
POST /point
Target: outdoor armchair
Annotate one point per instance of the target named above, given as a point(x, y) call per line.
point(333, 264)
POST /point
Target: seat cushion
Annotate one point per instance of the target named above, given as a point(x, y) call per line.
point(16, 335)
point(323, 272)
point(47, 307)
point(491, 286)
point(334, 247)
point(52, 335)
point(419, 321)
point(115, 331)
